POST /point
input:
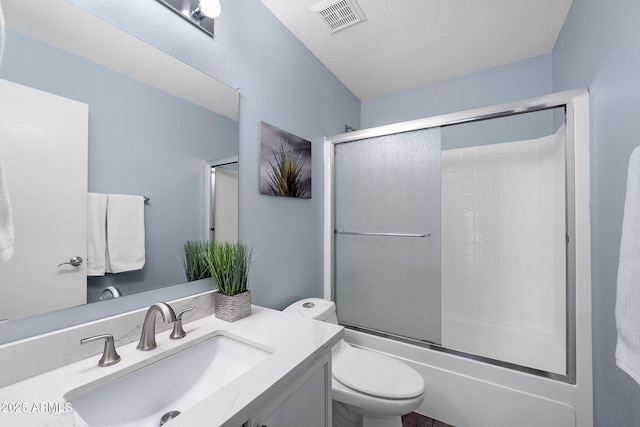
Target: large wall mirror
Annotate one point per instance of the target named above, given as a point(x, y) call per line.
point(152, 125)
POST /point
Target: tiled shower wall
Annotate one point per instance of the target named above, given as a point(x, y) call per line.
point(503, 251)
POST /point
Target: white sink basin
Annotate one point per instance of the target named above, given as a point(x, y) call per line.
point(174, 383)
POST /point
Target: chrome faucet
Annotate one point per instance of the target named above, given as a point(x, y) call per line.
point(148, 337)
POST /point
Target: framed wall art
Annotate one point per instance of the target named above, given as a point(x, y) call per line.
point(285, 163)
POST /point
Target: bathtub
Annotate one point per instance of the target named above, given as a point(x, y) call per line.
point(468, 393)
point(536, 348)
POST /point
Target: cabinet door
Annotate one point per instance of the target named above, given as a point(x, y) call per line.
point(307, 406)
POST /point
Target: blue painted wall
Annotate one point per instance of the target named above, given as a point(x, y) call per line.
point(522, 79)
point(280, 82)
point(599, 47)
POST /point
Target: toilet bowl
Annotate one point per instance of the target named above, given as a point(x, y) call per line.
point(369, 389)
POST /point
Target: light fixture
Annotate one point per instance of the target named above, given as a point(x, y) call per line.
point(199, 12)
point(207, 9)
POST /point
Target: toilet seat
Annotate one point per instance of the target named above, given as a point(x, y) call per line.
point(377, 375)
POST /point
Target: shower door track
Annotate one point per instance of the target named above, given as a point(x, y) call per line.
point(568, 100)
point(513, 108)
point(438, 347)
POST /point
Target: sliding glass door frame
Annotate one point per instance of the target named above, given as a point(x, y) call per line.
point(578, 310)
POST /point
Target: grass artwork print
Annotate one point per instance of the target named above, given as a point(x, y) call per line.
point(285, 164)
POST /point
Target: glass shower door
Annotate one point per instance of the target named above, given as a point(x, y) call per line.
point(387, 234)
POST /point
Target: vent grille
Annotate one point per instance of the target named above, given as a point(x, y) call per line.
point(339, 14)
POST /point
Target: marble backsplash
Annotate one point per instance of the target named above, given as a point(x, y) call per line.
point(35, 355)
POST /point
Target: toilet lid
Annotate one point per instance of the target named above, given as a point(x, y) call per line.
point(377, 375)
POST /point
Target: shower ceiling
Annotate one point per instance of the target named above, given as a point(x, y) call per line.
point(405, 44)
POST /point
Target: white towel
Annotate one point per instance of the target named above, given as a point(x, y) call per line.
point(6, 221)
point(628, 292)
point(125, 233)
point(96, 234)
point(2, 34)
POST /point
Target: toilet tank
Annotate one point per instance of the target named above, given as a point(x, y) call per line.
point(314, 308)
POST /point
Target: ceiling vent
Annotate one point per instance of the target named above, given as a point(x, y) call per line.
point(339, 14)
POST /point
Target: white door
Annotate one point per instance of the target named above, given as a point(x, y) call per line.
point(226, 205)
point(43, 146)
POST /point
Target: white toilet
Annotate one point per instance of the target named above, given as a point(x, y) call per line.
point(369, 389)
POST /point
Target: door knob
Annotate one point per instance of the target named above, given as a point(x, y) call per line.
point(74, 262)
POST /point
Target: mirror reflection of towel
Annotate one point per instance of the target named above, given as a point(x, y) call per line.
point(6, 220)
point(628, 290)
point(125, 233)
point(96, 234)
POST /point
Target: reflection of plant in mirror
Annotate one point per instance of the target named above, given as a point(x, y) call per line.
point(194, 261)
point(285, 177)
point(229, 265)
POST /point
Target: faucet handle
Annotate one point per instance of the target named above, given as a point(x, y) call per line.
point(178, 332)
point(109, 355)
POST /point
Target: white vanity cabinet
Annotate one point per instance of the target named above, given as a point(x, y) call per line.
point(306, 403)
point(290, 386)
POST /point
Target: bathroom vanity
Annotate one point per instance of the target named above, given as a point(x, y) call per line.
point(268, 369)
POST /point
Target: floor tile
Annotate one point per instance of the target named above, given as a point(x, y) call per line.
point(417, 420)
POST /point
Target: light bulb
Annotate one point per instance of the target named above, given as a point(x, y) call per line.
point(210, 8)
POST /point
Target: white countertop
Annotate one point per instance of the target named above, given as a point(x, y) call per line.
point(297, 343)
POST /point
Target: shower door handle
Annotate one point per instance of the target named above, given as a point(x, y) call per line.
point(359, 233)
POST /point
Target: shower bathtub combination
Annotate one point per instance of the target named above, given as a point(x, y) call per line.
point(468, 236)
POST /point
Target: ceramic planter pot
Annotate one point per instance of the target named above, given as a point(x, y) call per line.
point(234, 307)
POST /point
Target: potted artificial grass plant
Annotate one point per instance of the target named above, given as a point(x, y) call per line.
point(229, 265)
point(193, 260)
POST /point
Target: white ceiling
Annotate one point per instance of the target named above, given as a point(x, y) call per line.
point(404, 44)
